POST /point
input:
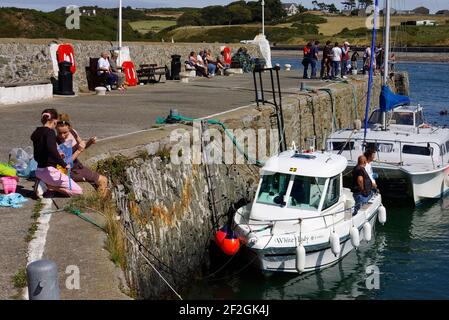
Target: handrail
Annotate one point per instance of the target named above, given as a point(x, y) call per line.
point(376, 141)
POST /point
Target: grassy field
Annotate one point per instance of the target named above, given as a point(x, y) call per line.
point(336, 24)
point(145, 26)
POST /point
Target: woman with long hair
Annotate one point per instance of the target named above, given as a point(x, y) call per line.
point(79, 173)
point(48, 158)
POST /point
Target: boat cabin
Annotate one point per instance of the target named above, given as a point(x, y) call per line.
point(298, 185)
point(403, 118)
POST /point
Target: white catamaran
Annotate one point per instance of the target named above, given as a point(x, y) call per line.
point(412, 156)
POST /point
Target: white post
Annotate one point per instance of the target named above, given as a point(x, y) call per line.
point(120, 25)
point(263, 17)
point(387, 40)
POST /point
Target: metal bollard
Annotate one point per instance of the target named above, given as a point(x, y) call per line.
point(42, 276)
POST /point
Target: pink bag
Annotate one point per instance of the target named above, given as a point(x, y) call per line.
point(9, 184)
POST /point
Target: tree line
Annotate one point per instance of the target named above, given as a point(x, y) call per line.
point(237, 12)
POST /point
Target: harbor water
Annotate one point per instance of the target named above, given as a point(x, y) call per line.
point(410, 252)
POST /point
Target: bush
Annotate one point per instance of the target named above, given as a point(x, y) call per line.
point(307, 18)
point(305, 28)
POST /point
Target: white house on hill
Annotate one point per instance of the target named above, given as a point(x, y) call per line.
point(290, 8)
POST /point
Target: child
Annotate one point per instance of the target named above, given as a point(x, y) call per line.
point(48, 157)
point(68, 136)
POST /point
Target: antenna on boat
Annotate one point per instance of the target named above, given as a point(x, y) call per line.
point(386, 53)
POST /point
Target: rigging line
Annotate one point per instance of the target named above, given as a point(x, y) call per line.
point(155, 269)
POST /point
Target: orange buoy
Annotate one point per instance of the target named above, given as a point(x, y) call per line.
point(221, 235)
point(230, 244)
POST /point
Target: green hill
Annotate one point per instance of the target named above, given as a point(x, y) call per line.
point(27, 23)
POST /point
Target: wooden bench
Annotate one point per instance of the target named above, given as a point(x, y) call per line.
point(151, 73)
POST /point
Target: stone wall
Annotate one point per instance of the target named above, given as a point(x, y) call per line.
point(27, 60)
point(167, 205)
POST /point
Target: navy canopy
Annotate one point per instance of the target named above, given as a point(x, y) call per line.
point(389, 100)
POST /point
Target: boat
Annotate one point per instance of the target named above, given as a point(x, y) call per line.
point(302, 219)
point(412, 156)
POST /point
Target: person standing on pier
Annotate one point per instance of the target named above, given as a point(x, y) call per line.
point(315, 55)
point(336, 60)
point(307, 59)
point(345, 59)
point(326, 61)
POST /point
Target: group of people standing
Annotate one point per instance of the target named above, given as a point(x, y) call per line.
point(337, 60)
point(55, 173)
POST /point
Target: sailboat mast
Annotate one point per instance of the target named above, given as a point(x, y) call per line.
point(387, 13)
point(387, 40)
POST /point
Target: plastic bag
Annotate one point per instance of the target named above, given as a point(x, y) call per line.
point(22, 160)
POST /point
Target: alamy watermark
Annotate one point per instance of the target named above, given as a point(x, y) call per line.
point(212, 146)
point(72, 282)
point(372, 280)
point(73, 20)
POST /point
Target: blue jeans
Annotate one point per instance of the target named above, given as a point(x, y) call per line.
point(360, 199)
point(335, 68)
point(211, 68)
point(344, 67)
point(306, 63)
point(314, 63)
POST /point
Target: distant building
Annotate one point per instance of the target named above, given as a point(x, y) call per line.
point(89, 12)
point(419, 23)
point(404, 12)
point(421, 11)
point(443, 12)
point(291, 9)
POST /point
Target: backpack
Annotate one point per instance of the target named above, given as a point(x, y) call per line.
point(307, 51)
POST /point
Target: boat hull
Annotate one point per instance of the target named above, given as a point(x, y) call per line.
point(316, 259)
point(273, 257)
point(397, 183)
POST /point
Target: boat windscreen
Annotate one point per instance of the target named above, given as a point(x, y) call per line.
point(402, 118)
point(273, 189)
point(306, 192)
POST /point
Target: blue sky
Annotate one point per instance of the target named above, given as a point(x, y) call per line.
point(47, 5)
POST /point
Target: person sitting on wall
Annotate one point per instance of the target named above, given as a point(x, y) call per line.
point(104, 68)
point(200, 69)
point(221, 60)
point(115, 71)
point(216, 63)
point(79, 173)
point(362, 185)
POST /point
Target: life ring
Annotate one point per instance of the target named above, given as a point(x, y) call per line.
point(65, 52)
point(130, 73)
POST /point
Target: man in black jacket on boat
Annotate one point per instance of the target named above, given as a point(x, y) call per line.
point(362, 185)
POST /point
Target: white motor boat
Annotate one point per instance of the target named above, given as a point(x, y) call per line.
point(412, 157)
point(302, 219)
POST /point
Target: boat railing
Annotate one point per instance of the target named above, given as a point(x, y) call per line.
point(401, 143)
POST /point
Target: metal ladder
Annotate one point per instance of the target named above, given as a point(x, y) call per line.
point(259, 91)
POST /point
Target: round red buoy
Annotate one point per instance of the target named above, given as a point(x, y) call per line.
point(221, 235)
point(230, 244)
